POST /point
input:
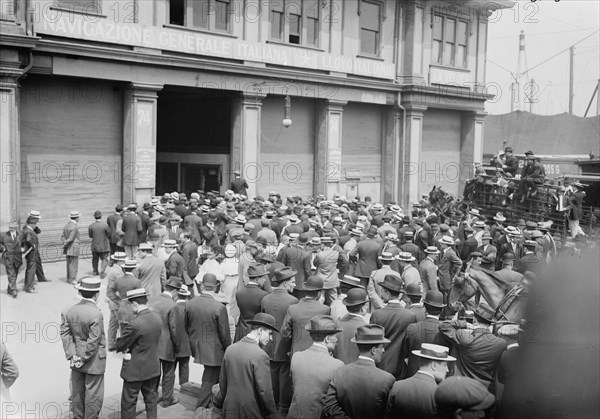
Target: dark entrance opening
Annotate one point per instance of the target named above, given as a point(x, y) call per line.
point(193, 139)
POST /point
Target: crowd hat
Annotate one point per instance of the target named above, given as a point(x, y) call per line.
point(119, 256)
point(479, 224)
point(256, 270)
point(499, 217)
point(146, 246)
point(169, 243)
point(97, 214)
point(437, 352)
point(138, 292)
point(432, 250)
point(513, 231)
point(355, 297)
point(323, 325)
point(35, 214)
point(264, 320)
point(352, 281)
point(408, 233)
point(486, 236)
point(508, 149)
point(313, 283)
point(405, 257)
point(183, 291)
point(240, 219)
point(174, 282)
point(386, 256)
point(529, 155)
point(447, 240)
point(131, 263)
point(462, 392)
point(155, 216)
point(413, 289)
point(282, 274)
point(434, 298)
point(370, 334)
point(210, 280)
point(13, 224)
point(474, 211)
point(393, 283)
point(392, 237)
point(74, 214)
point(356, 232)
point(508, 257)
point(89, 284)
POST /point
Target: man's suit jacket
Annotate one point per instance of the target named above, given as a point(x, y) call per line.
point(296, 318)
point(70, 239)
point(489, 256)
point(311, 370)
point(412, 398)
point(239, 185)
point(162, 305)
point(449, 266)
point(467, 247)
point(245, 382)
point(119, 290)
point(429, 275)
point(478, 352)
point(327, 262)
point(423, 239)
point(358, 390)
point(248, 300)
point(512, 165)
point(346, 351)
point(189, 253)
point(418, 309)
point(426, 331)
point(175, 266)
point(530, 262)
point(11, 249)
point(29, 240)
point(152, 274)
point(395, 319)
point(517, 251)
point(367, 252)
point(299, 259)
point(112, 220)
point(146, 223)
point(410, 275)
point(192, 224)
point(276, 304)
point(99, 232)
point(207, 325)
point(132, 227)
point(141, 337)
point(82, 334)
point(175, 233)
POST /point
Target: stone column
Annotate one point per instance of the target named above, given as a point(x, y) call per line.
point(391, 154)
point(471, 145)
point(10, 144)
point(245, 140)
point(411, 70)
point(411, 155)
point(328, 148)
point(139, 142)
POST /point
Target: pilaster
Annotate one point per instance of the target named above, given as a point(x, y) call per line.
point(328, 148)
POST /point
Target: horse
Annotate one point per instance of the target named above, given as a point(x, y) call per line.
point(440, 202)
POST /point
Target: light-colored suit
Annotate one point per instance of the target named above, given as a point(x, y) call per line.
point(70, 241)
point(152, 273)
point(311, 371)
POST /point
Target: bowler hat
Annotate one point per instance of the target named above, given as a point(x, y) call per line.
point(174, 282)
point(355, 296)
point(393, 283)
point(476, 255)
point(313, 283)
point(352, 281)
point(413, 289)
point(138, 292)
point(323, 325)
point(256, 270)
point(283, 274)
point(462, 392)
point(89, 284)
point(508, 257)
point(431, 351)
point(434, 298)
point(210, 280)
point(370, 334)
point(97, 214)
point(265, 320)
point(262, 241)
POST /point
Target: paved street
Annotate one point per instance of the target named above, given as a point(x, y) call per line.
point(30, 329)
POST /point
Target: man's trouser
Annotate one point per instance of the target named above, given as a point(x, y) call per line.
point(87, 394)
point(129, 395)
point(168, 379)
point(210, 377)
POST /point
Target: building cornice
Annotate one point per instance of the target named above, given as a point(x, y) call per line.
point(446, 97)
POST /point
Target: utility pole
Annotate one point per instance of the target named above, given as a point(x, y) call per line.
point(520, 60)
point(571, 59)
point(532, 84)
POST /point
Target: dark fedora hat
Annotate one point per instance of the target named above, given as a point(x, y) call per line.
point(265, 320)
point(393, 283)
point(283, 274)
point(256, 270)
point(355, 296)
point(413, 289)
point(370, 334)
point(313, 283)
point(434, 298)
point(323, 325)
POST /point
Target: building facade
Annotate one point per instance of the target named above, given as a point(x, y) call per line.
point(108, 101)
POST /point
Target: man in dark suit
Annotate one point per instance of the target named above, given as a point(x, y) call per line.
point(146, 222)
point(469, 245)
point(299, 314)
point(394, 319)
point(207, 325)
point(531, 260)
point(35, 216)
point(162, 305)
point(112, 221)
point(488, 252)
point(511, 164)
point(360, 389)
point(131, 228)
point(425, 331)
point(175, 265)
point(312, 369)
point(298, 258)
point(192, 224)
point(179, 336)
point(116, 291)
point(11, 256)
point(99, 232)
point(478, 350)
point(245, 382)
point(141, 365)
point(249, 299)
point(70, 242)
point(423, 238)
point(355, 302)
point(276, 304)
point(238, 184)
point(189, 253)
point(449, 266)
point(82, 334)
point(367, 252)
point(513, 246)
point(429, 270)
point(414, 397)
point(414, 294)
point(509, 366)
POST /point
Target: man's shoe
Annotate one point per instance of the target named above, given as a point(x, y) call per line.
point(14, 294)
point(32, 291)
point(167, 403)
point(44, 280)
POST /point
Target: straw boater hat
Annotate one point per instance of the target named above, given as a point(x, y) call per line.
point(138, 292)
point(352, 281)
point(146, 246)
point(447, 240)
point(131, 263)
point(89, 284)
point(499, 217)
point(370, 334)
point(436, 352)
point(474, 211)
point(387, 256)
point(432, 250)
point(118, 256)
point(405, 257)
point(183, 291)
point(169, 243)
point(74, 214)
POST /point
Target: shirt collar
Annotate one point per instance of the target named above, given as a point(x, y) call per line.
point(397, 301)
point(91, 300)
point(429, 316)
point(320, 345)
point(367, 358)
point(426, 373)
point(512, 345)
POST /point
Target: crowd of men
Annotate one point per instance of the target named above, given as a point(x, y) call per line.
point(297, 308)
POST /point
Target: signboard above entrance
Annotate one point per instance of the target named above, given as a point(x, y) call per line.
point(181, 40)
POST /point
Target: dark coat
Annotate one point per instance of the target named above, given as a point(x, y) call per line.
point(132, 227)
point(367, 252)
point(426, 331)
point(418, 309)
point(239, 185)
point(179, 336)
point(207, 325)
point(395, 319)
point(175, 266)
point(489, 256)
point(412, 398)
point(146, 223)
point(189, 253)
point(245, 382)
point(112, 221)
point(11, 249)
point(99, 232)
point(467, 247)
point(29, 240)
point(299, 260)
point(449, 266)
point(162, 305)
point(576, 199)
point(507, 248)
point(512, 165)
point(358, 390)
point(276, 304)
point(248, 301)
point(192, 224)
point(141, 338)
point(346, 351)
point(119, 289)
point(530, 262)
point(296, 318)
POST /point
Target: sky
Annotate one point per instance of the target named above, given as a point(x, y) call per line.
point(550, 27)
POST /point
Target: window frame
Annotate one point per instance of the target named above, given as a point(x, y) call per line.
point(79, 6)
point(382, 17)
point(442, 19)
point(282, 8)
point(211, 23)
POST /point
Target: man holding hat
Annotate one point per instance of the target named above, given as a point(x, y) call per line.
point(355, 303)
point(70, 242)
point(11, 255)
point(276, 304)
point(478, 351)
point(141, 365)
point(99, 232)
point(207, 325)
point(360, 389)
point(428, 269)
point(462, 397)
point(414, 397)
point(82, 334)
point(313, 369)
point(249, 298)
point(394, 318)
point(245, 380)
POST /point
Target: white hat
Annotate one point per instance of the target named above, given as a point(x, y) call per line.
point(138, 292)
point(447, 240)
point(34, 214)
point(89, 284)
point(437, 352)
point(74, 214)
